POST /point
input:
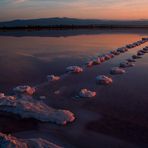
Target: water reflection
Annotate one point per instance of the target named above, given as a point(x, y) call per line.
point(27, 60)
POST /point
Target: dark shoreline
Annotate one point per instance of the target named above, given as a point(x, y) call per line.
point(71, 27)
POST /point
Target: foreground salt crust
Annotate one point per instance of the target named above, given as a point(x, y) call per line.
point(8, 141)
point(101, 79)
point(30, 108)
point(74, 69)
point(53, 78)
point(85, 93)
point(117, 70)
point(126, 64)
point(25, 89)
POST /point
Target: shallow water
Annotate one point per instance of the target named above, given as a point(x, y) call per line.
point(27, 59)
point(116, 117)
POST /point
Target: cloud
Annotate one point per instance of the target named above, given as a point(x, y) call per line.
point(20, 1)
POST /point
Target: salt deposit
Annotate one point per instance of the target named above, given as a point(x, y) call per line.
point(136, 57)
point(8, 141)
point(145, 39)
point(101, 79)
point(117, 70)
point(84, 93)
point(126, 64)
point(139, 53)
point(25, 89)
point(53, 78)
point(74, 69)
point(89, 63)
point(2, 95)
point(115, 52)
point(131, 60)
point(102, 58)
point(31, 108)
point(96, 61)
point(122, 49)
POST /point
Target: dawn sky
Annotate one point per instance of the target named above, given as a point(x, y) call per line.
point(100, 9)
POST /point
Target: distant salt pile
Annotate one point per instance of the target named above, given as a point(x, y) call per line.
point(84, 93)
point(122, 49)
point(8, 141)
point(101, 79)
point(136, 57)
point(108, 56)
point(115, 52)
point(131, 60)
point(2, 95)
point(117, 70)
point(96, 61)
point(140, 53)
point(145, 39)
point(102, 59)
point(126, 64)
point(130, 46)
point(74, 69)
point(25, 89)
point(145, 49)
point(53, 78)
point(30, 108)
point(89, 63)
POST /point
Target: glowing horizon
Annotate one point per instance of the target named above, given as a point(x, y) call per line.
point(85, 9)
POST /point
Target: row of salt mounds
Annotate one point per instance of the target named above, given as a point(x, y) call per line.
point(100, 59)
point(85, 93)
point(29, 108)
point(113, 53)
point(53, 78)
point(117, 70)
point(101, 79)
point(74, 69)
point(140, 53)
point(8, 141)
point(25, 89)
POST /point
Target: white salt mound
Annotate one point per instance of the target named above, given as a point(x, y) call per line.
point(101, 79)
point(126, 64)
point(2, 95)
point(117, 70)
point(122, 49)
point(139, 53)
point(53, 78)
point(74, 69)
point(89, 63)
point(145, 49)
point(131, 60)
point(115, 52)
point(96, 61)
point(84, 93)
point(25, 89)
point(31, 108)
point(136, 57)
point(8, 141)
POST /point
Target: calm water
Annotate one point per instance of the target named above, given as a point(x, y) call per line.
point(28, 59)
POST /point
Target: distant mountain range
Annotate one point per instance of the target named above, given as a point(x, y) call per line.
point(72, 21)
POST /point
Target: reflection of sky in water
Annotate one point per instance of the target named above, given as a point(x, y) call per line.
point(30, 59)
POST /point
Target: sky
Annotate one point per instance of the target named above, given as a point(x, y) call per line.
point(94, 9)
